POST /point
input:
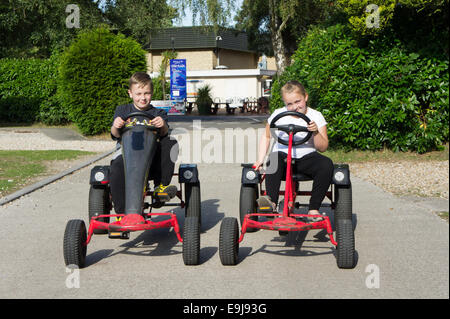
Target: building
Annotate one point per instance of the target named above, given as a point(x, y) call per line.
point(221, 59)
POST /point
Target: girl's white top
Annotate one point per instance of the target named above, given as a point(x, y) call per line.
point(308, 146)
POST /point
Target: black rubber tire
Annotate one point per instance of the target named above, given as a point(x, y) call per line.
point(343, 199)
point(229, 241)
point(74, 238)
point(345, 237)
point(191, 241)
point(99, 204)
point(193, 202)
point(247, 204)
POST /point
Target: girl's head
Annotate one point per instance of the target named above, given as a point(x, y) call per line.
point(294, 96)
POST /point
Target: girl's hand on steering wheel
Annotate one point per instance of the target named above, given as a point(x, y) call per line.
point(257, 166)
point(312, 127)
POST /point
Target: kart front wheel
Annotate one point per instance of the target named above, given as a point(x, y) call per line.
point(74, 243)
point(229, 241)
point(191, 241)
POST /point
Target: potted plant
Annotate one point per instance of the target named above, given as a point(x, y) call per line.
point(204, 100)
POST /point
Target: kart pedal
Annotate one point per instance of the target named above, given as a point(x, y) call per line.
point(265, 209)
point(119, 234)
point(164, 197)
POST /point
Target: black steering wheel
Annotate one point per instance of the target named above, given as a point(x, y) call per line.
point(291, 128)
point(128, 126)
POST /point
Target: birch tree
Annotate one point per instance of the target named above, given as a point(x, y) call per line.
point(282, 23)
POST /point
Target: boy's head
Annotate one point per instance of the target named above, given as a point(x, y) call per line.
point(141, 89)
point(294, 96)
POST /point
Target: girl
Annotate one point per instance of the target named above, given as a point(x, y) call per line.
point(309, 161)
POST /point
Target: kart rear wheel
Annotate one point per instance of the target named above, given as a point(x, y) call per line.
point(191, 241)
point(74, 239)
point(345, 236)
point(247, 204)
point(99, 204)
point(193, 201)
point(229, 241)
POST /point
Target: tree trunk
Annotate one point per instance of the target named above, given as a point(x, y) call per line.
point(276, 28)
point(279, 51)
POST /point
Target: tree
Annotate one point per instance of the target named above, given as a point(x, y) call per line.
point(373, 16)
point(277, 25)
point(30, 28)
point(422, 25)
point(136, 18)
point(34, 28)
point(214, 13)
point(167, 56)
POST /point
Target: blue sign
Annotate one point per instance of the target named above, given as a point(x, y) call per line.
point(178, 79)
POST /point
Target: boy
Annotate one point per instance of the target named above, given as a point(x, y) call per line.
point(162, 168)
point(309, 161)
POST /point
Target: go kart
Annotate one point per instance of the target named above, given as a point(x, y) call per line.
point(251, 216)
point(138, 147)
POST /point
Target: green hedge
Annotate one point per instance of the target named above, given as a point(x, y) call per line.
point(94, 75)
point(27, 91)
point(372, 97)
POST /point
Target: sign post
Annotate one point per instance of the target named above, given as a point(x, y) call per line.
point(178, 79)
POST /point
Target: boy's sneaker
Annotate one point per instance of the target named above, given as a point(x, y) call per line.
point(165, 193)
point(266, 205)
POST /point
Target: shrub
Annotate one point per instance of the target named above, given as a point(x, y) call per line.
point(27, 91)
point(94, 75)
point(157, 89)
point(372, 97)
point(204, 100)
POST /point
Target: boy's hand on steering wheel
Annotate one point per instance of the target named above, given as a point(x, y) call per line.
point(118, 122)
point(158, 122)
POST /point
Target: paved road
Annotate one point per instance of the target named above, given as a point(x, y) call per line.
point(403, 250)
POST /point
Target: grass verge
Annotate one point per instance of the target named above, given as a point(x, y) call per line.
point(21, 168)
point(341, 156)
point(443, 215)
